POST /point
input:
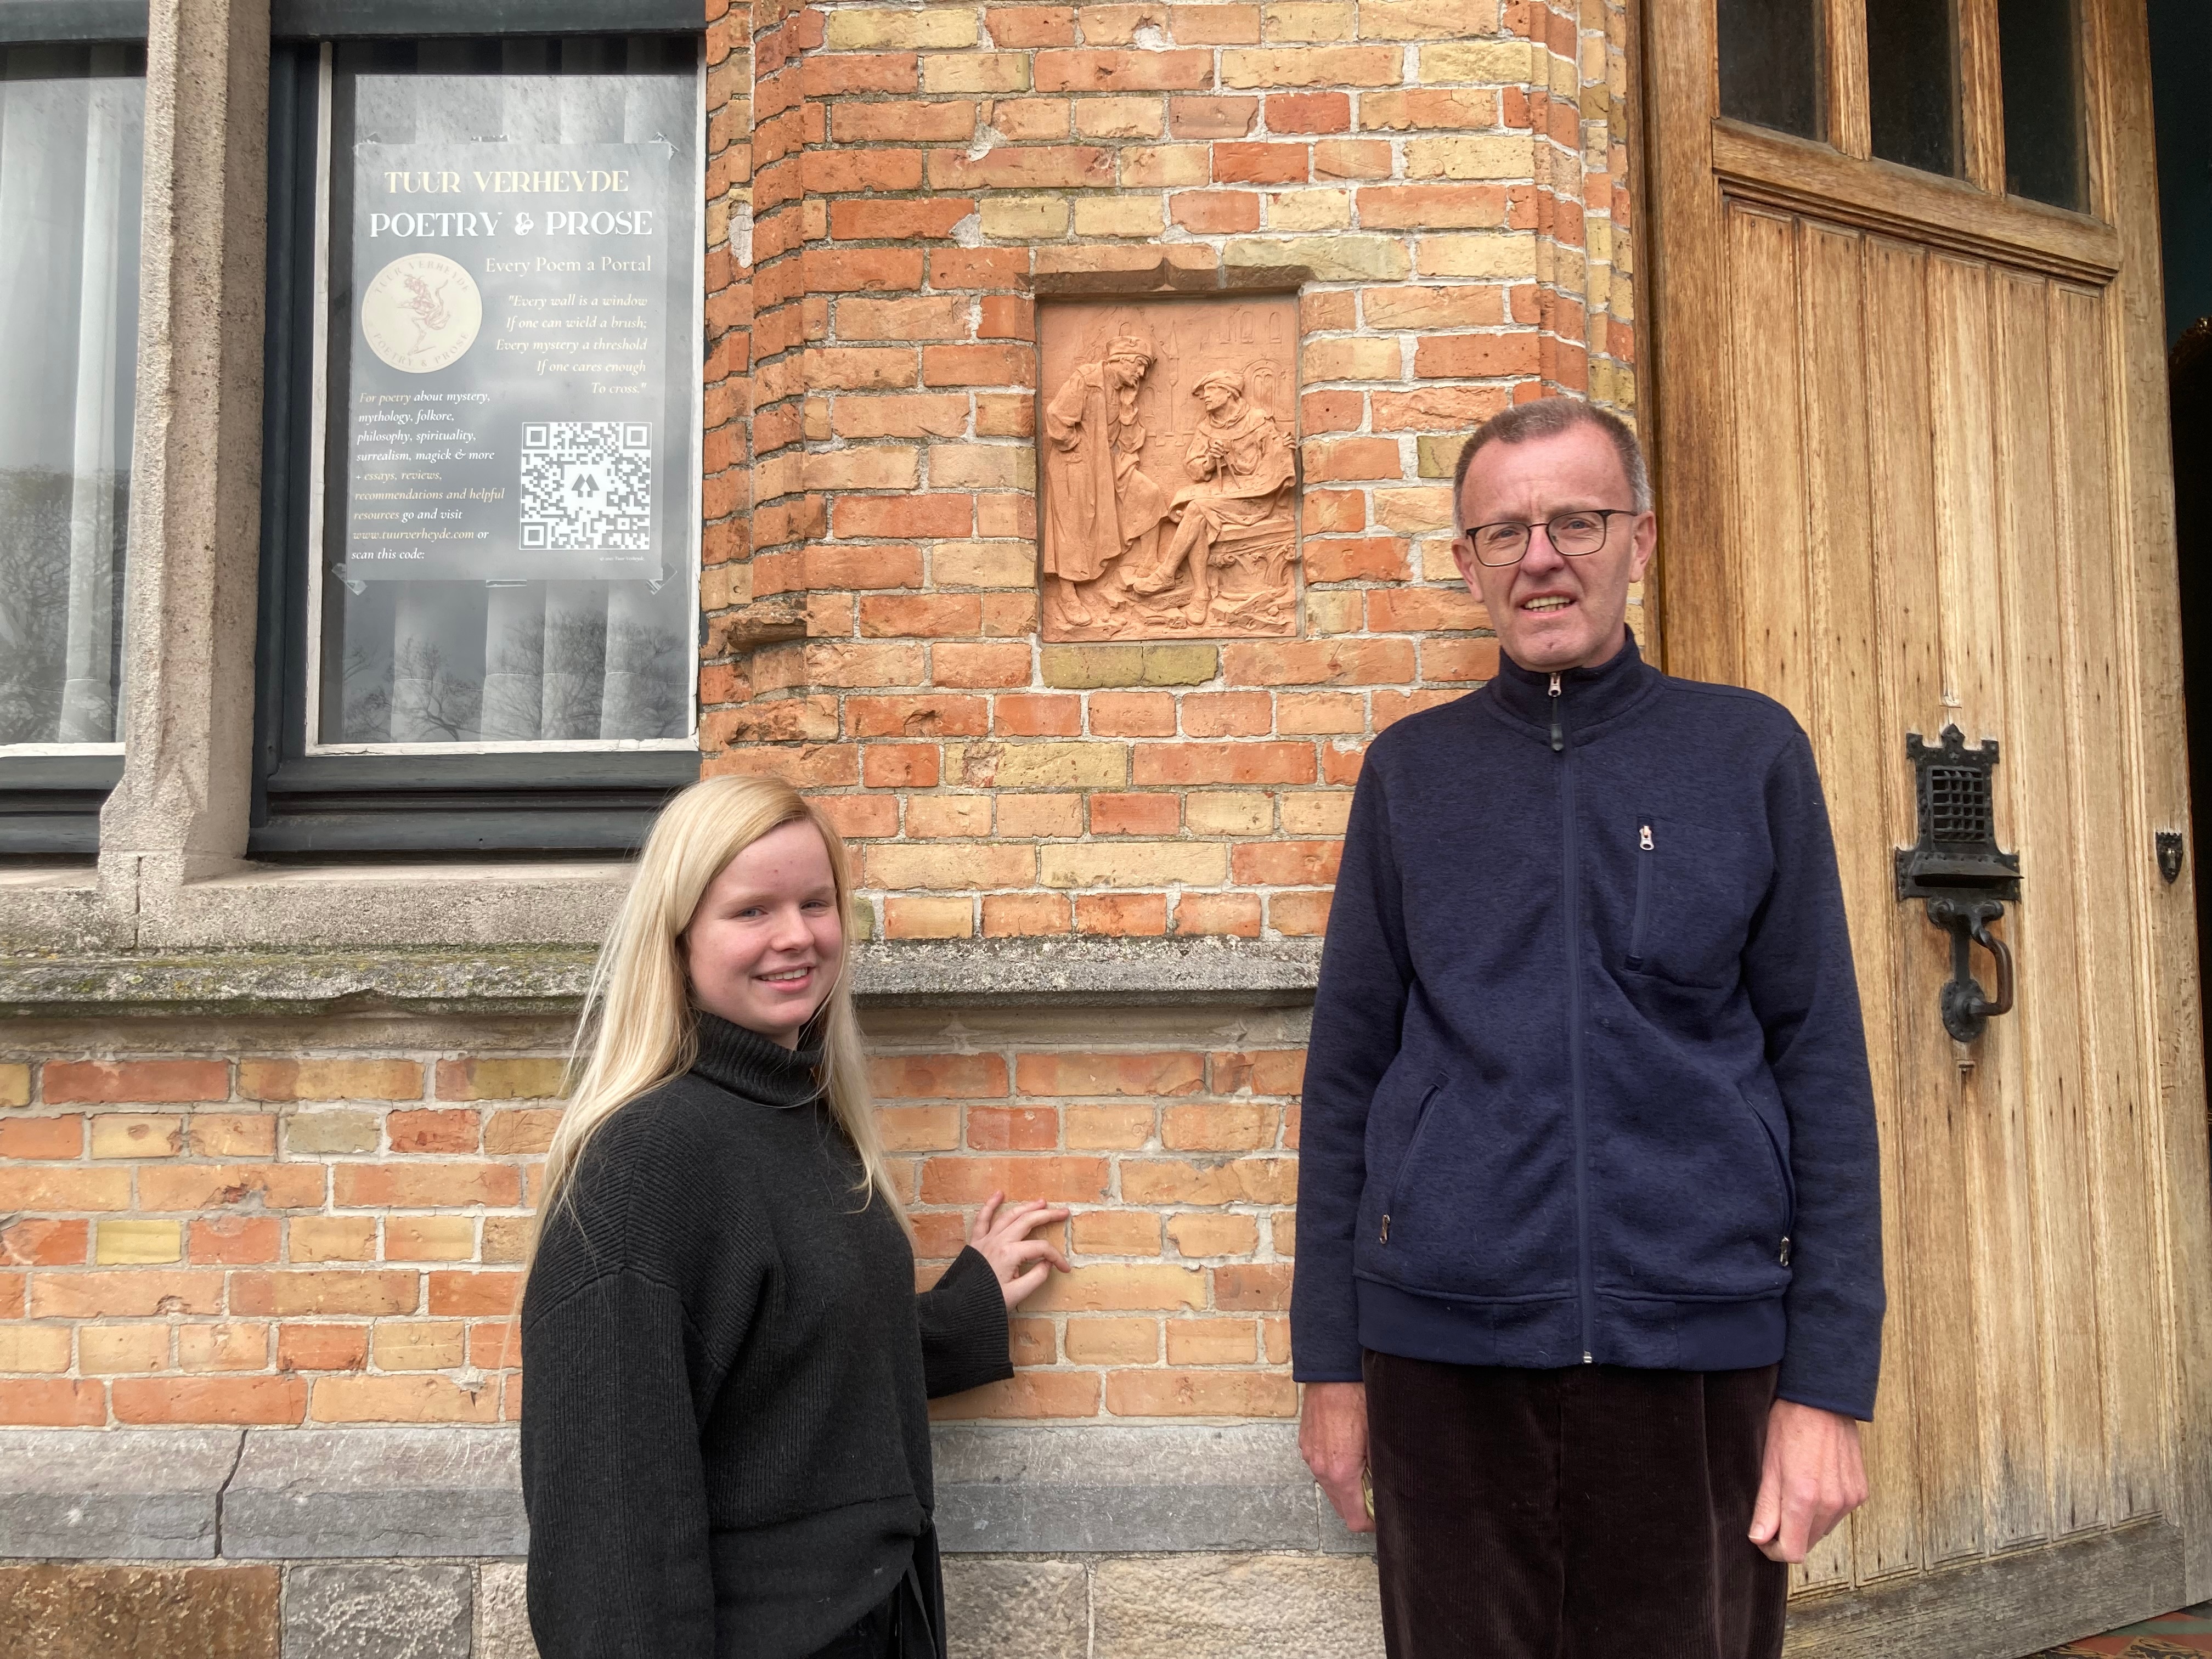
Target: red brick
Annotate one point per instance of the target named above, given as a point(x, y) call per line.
point(59, 1402)
point(57, 1186)
point(215, 1185)
point(1030, 26)
point(1132, 714)
point(1309, 112)
point(433, 1131)
point(929, 715)
point(1029, 1395)
point(43, 1137)
point(234, 1239)
point(1438, 408)
point(1221, 762)
point(864, 220)
point(1227, 713)
point(1320, 662)
point(522, 1129)
point(1023, 915)
point(233, 1134)
point(921, 616)
point(899, 766)
point(1072, 1072)
point(1423, 610)
point(1158, 814)
point(869, 270)
point(474, 1295)
point(1016, 166)
point(1211, 118)
point(962, 1179)
point(278, 1399)
point(1368, 558)
point(322, 1347)
point(1150, 1392)
point(1039, 715)
point(1340, 510)
point(284, 1294)
point(860, 817)
point(908, 119)
point(1337, 410)
point(1012, 1128)
point(979, 365)
point(134, 1081)
point(1215, 212)
point(1234, 913)
point(938, 1076)
point(980, 665)
point(406, 1186)
point(903, 515)
point(1434, 206)
point(1123, 71)
point(1259, 164)
point(1298, 915)
point(1468, 357)
point(1335, 460)
point(978, 267)
point(1284, 863)
point(1122, 915)
point(44, 1243)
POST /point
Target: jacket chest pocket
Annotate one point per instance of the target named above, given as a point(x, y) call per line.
point(1639, 925)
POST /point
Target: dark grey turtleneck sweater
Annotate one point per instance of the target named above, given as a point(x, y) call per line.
point(725, 1433)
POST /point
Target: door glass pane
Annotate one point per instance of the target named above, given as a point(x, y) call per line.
point(1912, 82)
point(1770, 53)
point(2039, 53)
point(510, 449)
point(72, 127)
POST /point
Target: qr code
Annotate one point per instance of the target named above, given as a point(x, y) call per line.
point(587, 485)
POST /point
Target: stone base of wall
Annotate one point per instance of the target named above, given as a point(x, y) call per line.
point(1196, 1606)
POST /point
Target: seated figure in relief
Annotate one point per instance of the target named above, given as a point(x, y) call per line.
point(1239, 504)
point(1100, 505)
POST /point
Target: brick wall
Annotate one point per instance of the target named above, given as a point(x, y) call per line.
point(334, 1236)
point(1443, 184)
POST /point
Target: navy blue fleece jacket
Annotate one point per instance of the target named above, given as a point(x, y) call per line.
point(1588, 1081)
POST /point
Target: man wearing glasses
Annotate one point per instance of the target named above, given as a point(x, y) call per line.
point(1589, 1293)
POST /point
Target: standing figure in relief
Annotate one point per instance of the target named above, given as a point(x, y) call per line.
point(1243, 466)
point(1100, 506)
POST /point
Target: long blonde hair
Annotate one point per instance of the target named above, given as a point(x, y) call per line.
point(639, 1029)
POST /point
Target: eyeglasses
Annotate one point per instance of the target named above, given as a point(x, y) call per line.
point(1572, 534)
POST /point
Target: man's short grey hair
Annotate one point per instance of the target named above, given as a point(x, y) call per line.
point(1547, 417)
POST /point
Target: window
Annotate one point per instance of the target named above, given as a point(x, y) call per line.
point(1769, 64)
point(72, 123)
point(479, 618)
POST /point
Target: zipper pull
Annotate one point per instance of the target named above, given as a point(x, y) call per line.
point(1559, 737)
point(1643, 837)
point(1587, 1360)
point(1785, 1252)
point(1386, 1237)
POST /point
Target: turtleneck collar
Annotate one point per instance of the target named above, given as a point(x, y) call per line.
point(746, 1063)
point(1587, 696)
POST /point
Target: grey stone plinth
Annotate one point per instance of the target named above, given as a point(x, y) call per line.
point(369, 1612)
point(1256, 1607)
point(502, 1613)
point(1093, 972)
point(1038, 1609)
point(130, 1494)
point(304, 1493)
point(1053, 1490)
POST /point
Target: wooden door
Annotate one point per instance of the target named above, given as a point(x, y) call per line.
point(1913, 472)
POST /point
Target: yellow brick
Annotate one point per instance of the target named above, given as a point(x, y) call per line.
point(1425, 509)
point(1120, 118)
point(1209, 813)
point(1354, 360)
point(1317, 814)
point(330, 1080)
point(238, 1348)
point(900, 31)
point(1024, 218)
point(127, 1243)
point(982, 564)
point(976, 71)
point(507, 1237)
point(1133, 864)
point(418, 1344)
point(1118, 1287)
point(1305, 21)
point(1426, 20)
point(34, 1347)
point(1303, 66)
point(932, 918)
point(1037, 765)
point(429, 1238)
point(1504, 64)
point(876, 466)
point(1117, 1232)
point(1511, 157)
point(1146, 165)
point(1215, 1234)
point(1107, 1128)
point(984, 466)
point(1310, 209)
point(1481, 253)
point(331, 1238)
point(15, 1084)
point(1212, 1341)
point(899, 868)
point(115, 1135)
point(102, 1350)
point(1335, 612)
point(500, 1079)
point(1117, 215)
point(1112, 1341)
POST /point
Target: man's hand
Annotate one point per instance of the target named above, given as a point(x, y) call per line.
point(1813, 1477)
point(1332, 1439)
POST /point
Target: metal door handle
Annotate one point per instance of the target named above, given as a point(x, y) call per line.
point(1965, 1009)
point(2002, 953)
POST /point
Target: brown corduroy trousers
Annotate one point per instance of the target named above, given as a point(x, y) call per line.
point(1571, 1514)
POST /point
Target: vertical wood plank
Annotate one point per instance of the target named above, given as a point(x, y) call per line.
point(1853, 742)
point(1850, 122)
point(1926, 1175)
point(2037, 780)
point(1981, 96)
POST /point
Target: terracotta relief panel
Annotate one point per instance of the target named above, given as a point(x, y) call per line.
point(1168, 432)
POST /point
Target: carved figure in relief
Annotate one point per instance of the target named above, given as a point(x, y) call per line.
point(1235, 517)
point(1101, 507)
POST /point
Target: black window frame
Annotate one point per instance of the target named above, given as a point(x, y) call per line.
point(50, 803)
point(589, 802)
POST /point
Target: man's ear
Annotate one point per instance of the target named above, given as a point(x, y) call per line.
point(1645, 543)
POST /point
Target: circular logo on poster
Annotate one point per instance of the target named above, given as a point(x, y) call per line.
point(421, 312)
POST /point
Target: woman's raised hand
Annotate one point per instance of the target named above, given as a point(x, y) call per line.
point(1002, 1236)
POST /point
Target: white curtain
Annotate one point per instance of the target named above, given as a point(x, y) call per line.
point(71, 136)
point(537, 661)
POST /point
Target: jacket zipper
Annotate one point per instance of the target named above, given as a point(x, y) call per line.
point(1789, 1186)
point(1572, 912)
point(1420, 1125)
point(1642, 896)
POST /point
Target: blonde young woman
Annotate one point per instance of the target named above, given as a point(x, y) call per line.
point(725, 1433)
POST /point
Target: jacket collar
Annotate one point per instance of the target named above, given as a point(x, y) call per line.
point(1587, 696)
point(748, 1064)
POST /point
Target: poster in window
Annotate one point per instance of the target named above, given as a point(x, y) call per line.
point(507, 392)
